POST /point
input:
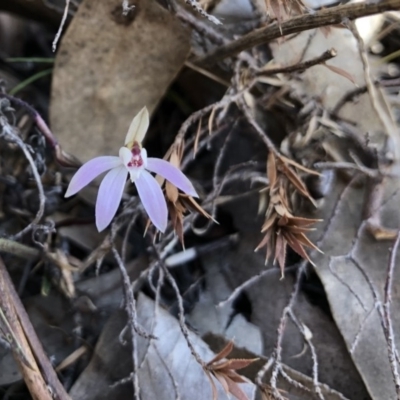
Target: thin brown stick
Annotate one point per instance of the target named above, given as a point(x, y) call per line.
point(299, 67)
point(325, 17)
point(38, 373)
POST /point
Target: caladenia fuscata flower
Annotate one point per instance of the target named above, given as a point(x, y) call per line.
point(132, 161)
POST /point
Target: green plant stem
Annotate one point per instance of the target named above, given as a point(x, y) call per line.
point(30, 80)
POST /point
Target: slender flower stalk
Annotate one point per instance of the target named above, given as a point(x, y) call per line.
point(132, 161)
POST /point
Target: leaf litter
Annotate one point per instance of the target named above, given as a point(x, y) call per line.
point(314, 318)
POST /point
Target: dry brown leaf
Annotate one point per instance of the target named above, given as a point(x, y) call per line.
point(341, 71)
point(108, 67)
point(180, 203)
point(281, 228)
point(284, 9)
point(224, 372)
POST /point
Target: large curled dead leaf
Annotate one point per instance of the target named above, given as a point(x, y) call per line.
point(108, 67)
point(353, 272)
point(165, 364)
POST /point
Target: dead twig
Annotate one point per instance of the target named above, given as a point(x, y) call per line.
point(130, 299)
point(197, 7)
point(18, 249)
point(251, 281)
point(63, 158)
point(36, 368)
point(351, 94)
point(370, 172)
point(299, 67)
point(130, 308)
point(307, 335)
point(206, 30)
point(212, 108)
point(325, 17)
point(7, 131)
point(181, 311)
point(257, 128)
point(60, 29)
point(281, 329)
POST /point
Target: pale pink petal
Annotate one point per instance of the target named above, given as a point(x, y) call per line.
point(109, 196)
point(138, 127)
point(153, 200)
point(172, 174)
point(89, 171)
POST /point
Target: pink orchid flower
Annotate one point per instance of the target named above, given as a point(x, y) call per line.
point(132, 160)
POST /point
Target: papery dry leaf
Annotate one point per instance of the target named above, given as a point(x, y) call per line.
point(353, 272)
point(108, 67)
point(158, 361)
